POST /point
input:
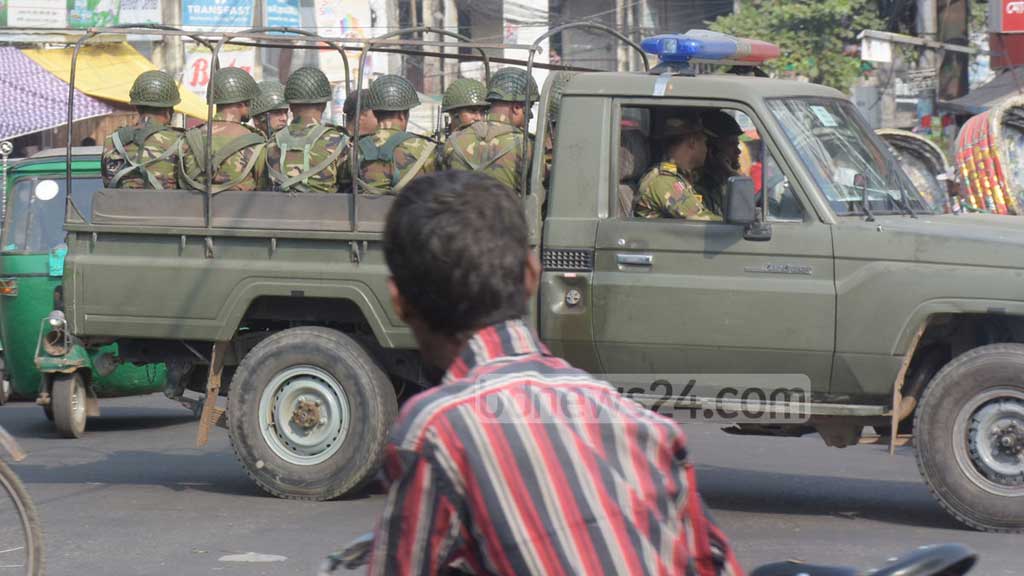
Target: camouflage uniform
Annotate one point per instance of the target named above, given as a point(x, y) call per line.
point(665, 192)
point(390, 157)
point(239, 155)
point(495, 146)
point(145, 155)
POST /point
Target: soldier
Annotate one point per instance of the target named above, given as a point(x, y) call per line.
point(554, 105)
point(239, 158)
point(270, 109)
point(723, 158)
point(494, 146)
point(666, 190)
point(308, 155)
point(465, 102)
point(366, 123)
point(145, 155)
point(391, 157)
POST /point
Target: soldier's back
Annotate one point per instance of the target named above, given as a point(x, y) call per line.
point(494, 148)
point(322, 169)
point(238, 161)
point(389, 158)
point(141, 156)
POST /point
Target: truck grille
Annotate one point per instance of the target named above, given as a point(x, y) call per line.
point(567, 260)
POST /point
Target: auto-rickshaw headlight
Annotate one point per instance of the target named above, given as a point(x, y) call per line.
point(55, 341)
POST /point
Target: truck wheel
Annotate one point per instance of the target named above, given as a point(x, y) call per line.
point(969, 437)
point(308, 414)
point(67, 398)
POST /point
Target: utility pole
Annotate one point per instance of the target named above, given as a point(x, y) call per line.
point(169, 55)
point(927, 25)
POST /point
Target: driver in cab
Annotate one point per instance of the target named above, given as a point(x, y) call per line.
point(667, 189)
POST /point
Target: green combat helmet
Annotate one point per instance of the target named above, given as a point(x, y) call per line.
point(308, 85)
point(233, 85)
point(464, 93)
point(558, 85)
point(155, 89)
point(392, 93)
point(271, 97)
point(510, 85)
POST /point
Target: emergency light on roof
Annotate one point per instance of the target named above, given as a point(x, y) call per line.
point(708, 45)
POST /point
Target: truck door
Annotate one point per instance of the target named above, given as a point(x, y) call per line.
point(674, 296)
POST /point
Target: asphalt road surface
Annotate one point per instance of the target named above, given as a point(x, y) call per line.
point(133, 497)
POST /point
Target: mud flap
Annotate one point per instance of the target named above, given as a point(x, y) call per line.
point(210, 414)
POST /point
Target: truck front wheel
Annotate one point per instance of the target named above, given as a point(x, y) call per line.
point(308, 413)
point(969, 437)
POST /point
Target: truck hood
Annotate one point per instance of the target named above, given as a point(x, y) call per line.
point(958, 239)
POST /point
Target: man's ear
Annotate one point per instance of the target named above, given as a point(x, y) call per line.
point(397, 301)
point(532, 275)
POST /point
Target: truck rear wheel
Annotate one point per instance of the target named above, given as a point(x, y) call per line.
point(67, 397)
point(308, 413)
point(969, 437)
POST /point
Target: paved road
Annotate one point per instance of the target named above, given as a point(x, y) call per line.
point(135, 498)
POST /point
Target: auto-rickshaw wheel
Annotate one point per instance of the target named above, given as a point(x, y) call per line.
point(68, 398)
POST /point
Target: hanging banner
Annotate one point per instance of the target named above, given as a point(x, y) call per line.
point(1006, 16)
point(337, 19)
point(283, 13)
point(216, 15)
point(198, 68)
point(93, 13)
point(37, 13)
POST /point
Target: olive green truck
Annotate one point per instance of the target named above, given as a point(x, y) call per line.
point(828, 269)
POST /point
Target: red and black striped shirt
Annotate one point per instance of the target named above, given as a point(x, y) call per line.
point(521, 464)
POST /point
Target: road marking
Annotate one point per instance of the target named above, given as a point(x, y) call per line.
point(252, 557)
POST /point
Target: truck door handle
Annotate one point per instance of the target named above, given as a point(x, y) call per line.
point(634, 259)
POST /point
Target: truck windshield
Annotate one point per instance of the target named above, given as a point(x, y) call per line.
point(34, 221)
point(845, 159)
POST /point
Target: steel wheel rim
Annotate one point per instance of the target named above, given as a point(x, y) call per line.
point(304, 415)
point(975, 441)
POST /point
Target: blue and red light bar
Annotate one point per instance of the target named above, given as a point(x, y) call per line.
point(708, 45)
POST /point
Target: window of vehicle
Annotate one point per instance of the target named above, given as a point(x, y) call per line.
point(848, 163)
point(642, 149)
point(35, 211)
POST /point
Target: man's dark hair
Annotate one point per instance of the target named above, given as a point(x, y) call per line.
point(390, 114)
point(151, 111)
point(457, 246)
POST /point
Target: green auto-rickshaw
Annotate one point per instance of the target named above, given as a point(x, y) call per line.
point(31, 271)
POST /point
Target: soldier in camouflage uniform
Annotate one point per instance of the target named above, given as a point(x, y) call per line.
point(465, 102)
point(308, 155)
point(554, 106)
point(270, 109)
point(666, 190)
point(391, 157)
point(366, 123)
point(494, 146)
point(723, 158)
point(145, 155)
point(239, 155)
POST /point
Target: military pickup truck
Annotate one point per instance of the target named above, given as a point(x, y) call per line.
point(829, 279)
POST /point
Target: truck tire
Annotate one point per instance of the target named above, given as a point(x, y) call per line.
point(309, 413)
point(969, 437)
point(68, 397)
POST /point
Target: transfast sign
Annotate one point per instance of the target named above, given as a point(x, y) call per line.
point(1006, 16)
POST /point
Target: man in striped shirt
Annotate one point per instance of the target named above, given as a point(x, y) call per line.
point(518, 463)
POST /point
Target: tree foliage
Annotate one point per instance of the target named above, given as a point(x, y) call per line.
point(812, 34)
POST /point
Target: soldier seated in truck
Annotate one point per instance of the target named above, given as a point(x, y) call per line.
point(238, 159)
point(391, 156)
point(667, 189)
point(144, 155)
point(308, 155)
point(723, 160)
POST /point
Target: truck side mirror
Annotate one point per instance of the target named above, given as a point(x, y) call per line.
point(740, 206)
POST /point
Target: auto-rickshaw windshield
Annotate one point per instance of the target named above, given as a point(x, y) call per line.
point(34, 221)
point(845, 159)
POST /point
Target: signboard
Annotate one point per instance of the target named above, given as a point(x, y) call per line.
point(1006, 16)
point(216, 15)
point(338, 19)
point(37, 13)
point(198, 68)
point(140, 11)
point(283, 13)
point(92, 13)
